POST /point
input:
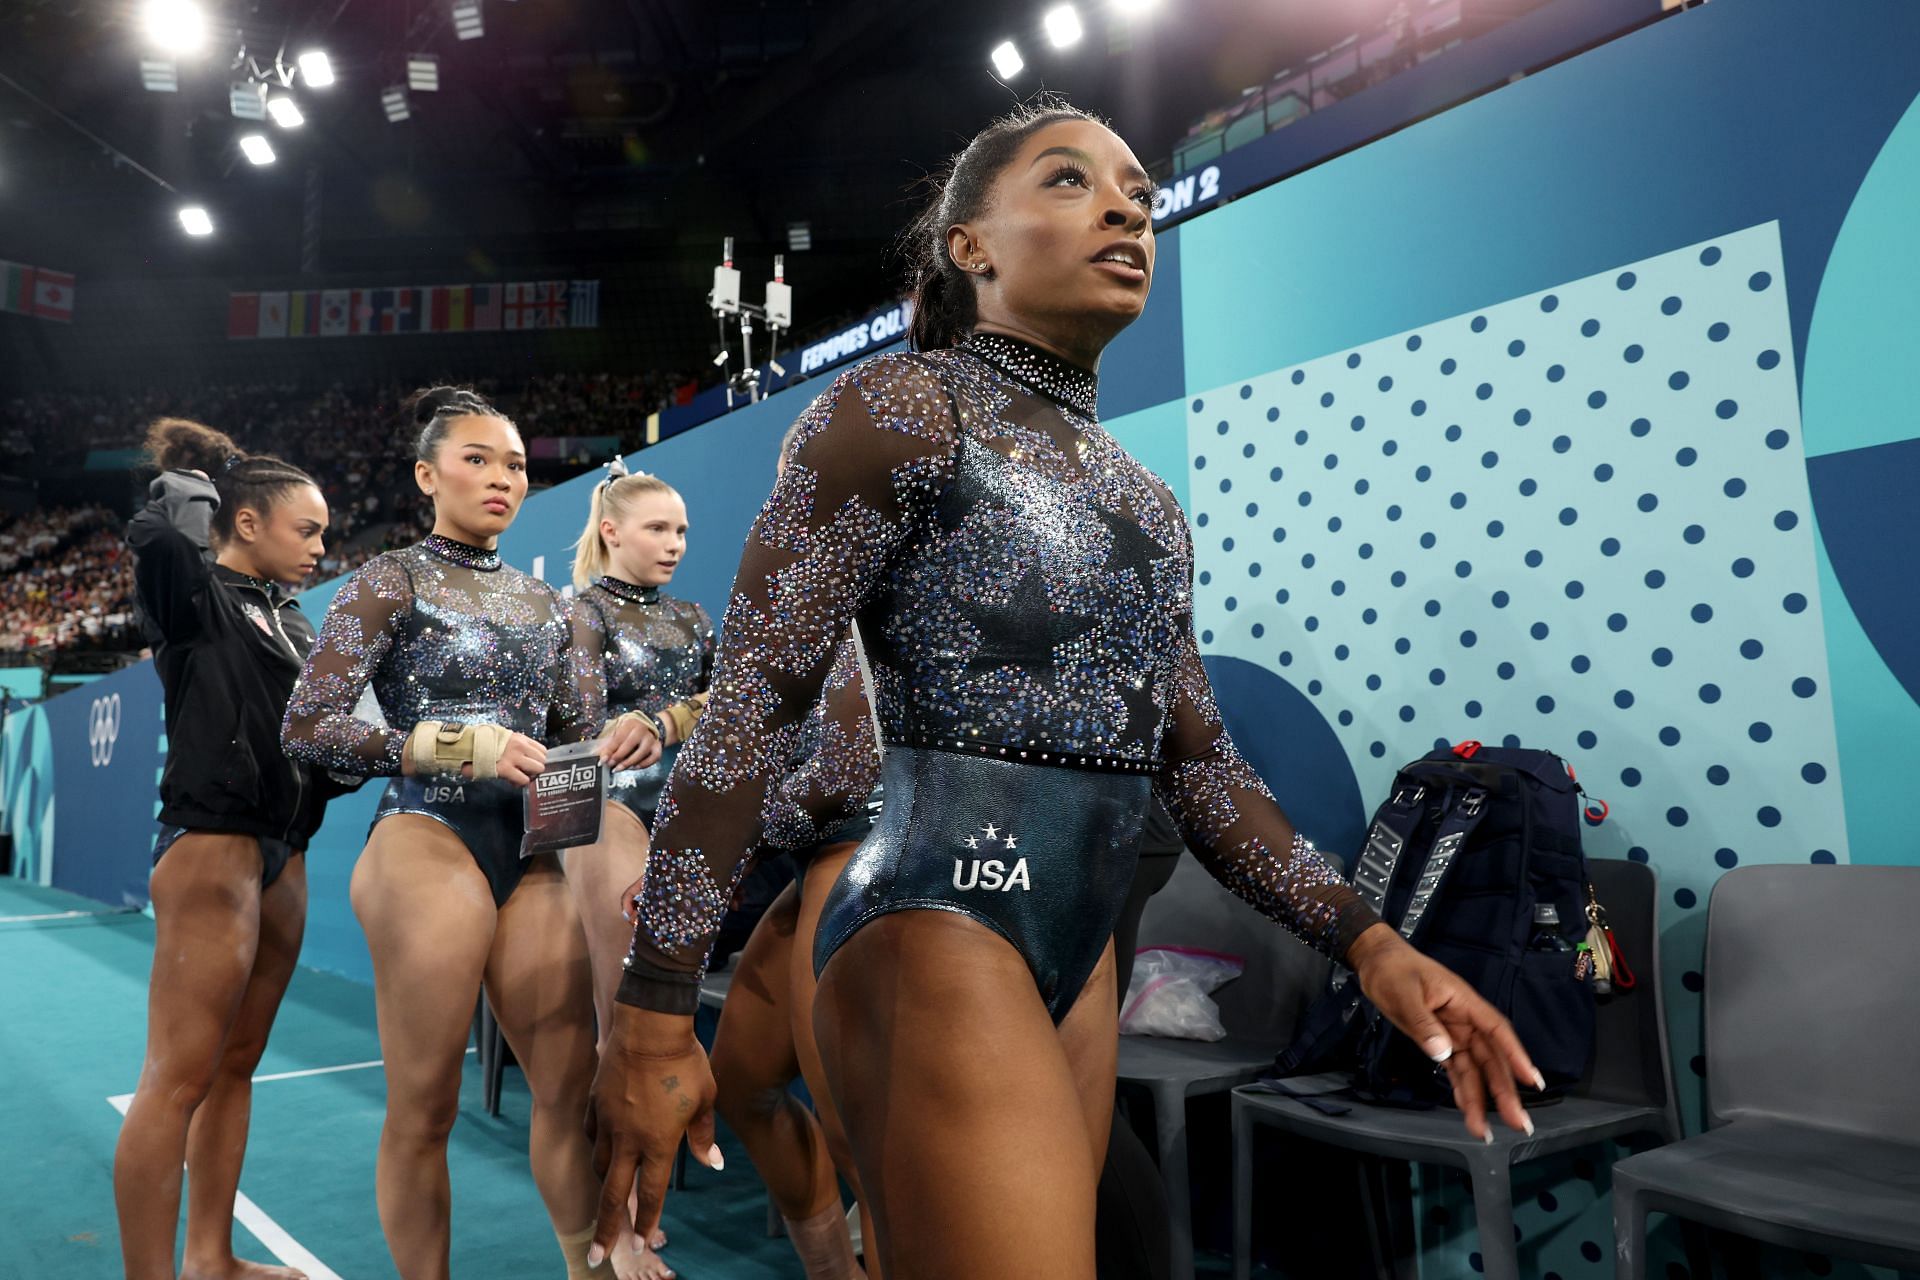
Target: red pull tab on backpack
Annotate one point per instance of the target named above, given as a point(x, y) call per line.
point(1467, 750)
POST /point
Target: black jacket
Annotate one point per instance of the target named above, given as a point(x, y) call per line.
point(229, 650)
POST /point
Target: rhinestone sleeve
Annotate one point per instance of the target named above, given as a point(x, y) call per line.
point(360, 628)
point(870, 459)
point(580, 709)
point(838, 765)
point(1236, 828)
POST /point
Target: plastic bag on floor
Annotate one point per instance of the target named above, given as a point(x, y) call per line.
point(1168, 994)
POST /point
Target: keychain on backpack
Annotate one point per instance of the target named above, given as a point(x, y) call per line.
point(1610, 968)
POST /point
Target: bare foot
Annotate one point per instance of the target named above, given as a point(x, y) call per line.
point(658, 1240)
point(238, 1269)
point(632, 1260)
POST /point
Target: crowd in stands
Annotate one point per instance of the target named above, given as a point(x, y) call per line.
point(66, 582)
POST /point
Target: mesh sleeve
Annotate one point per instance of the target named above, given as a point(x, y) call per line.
point(579, 709)
point(358, 633)
point(840, 771)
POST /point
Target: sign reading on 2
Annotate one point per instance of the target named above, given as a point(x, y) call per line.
point(1183, 193)
point(103, 729)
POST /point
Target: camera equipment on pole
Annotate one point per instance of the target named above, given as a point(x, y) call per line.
point(777, 312)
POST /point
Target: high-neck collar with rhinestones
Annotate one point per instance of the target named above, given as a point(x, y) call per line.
point(485, 559)
point(630, 591)
point(1039, 370)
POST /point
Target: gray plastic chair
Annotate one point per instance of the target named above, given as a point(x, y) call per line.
point(1258, 1009)
point(1812, 1033)
point(1628, 1090)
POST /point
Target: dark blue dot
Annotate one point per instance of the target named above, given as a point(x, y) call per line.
point(1768, 359)
point(1226, 486)
point(1709, 693)
point(1413, 342)
point(1359, 423)
point(1306, 498)
point(1515, 347)
point(1223, 427)
point(1300, 437)
point(1734, 487)
point(1403, 646)
point(1686, 457)
point(1273, 415)
point(1373, 683)
point(1640, 426)
point(1495, 528)
point(1286, 657)
point(1390, 448)
point(1624, 281)
point(1581, 664)
point(1200, 462)
point(1247, 451)
point(1489, 459)
point(1544, 705)
point(1555, 372)
point(1767, 816)
point(1549, 302)
point(1406, 715)
point(1804, 688)
point(1458, 501)
point(1534, 558)
point(1468, 639)
point(1201, 519)
point(1678, 379)
point(1587, 739)
point(1475, 1262)
point(1726, 409)
point(1314, 687)
point(1259, 629)
point(1575, 589)
point(1694, 534)
point(1662, 657)
point(1685, 899)
point(1345, 717)
point(1758, 281)
point(1504, 671)
point(1433, 608)
point(1562, 443)
point(1484, 390)
point(1777, 439)
point(1306, 561)
point(1326, 400)
point(1333, 524)
point(1603, 472)
point(1813, 772)
point(1479, 324)
point(1718, 331)
point(1694, 981)
point(1632, 352)
point(1538, 631)
point(1246, 391)
point(1361, 486)
point(1331, 461)
point(1353, 360)
point(1366, 551)
point(1760, 731)
point(1823, 857)
point(1655, 579)
point(1623, 699)
point(1312, 623)
point(1423, 473)
point(1206, 576)
point(1282, 596)
point(1232, 603)
point(1743, 568)
point(1676, 817)
point(1596, 399)
point(1669, 736)
point(1609, 546)
point(1376, 750)
point(1369, 616)
point(1447, 366)
point(1521, 417)
point(1635, 854)
point(1393, 511)
point(1500, 599)
point(1226, 544)
point(1547, 1201)
point(1649, 501)
point(1630, 777)
point(1670, 306)
point(1751, 649)
point(1280, 535)
point(1275, 474)
point(1206, 637)
point(1718, 775)
point(1529, 487)
point(1198, 405)
point(1710, 255)
point(1794, 602)
point(1473, 710)
point(1785, 520)
point(1616, 622)
point(1436, 677)
point(1568, 515)
point(1399, 578)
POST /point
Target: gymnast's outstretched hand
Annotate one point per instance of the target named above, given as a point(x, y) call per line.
point(653, 1087)
point(1452, 1023)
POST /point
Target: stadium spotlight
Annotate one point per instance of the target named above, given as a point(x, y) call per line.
point(195, 220)
point(256, 148)
point(285, 111)
point(247, 99)
point(1006, 60)
point(466, 19)
point(316, 69)
point(423, 72)
point(159, 75)
point(1063, 25)
point(393, 100)
point(177, 26)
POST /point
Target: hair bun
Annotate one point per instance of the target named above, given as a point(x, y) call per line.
point(430, 401)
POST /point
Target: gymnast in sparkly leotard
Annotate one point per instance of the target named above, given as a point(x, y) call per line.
point(476, 670)
point(1023, 587)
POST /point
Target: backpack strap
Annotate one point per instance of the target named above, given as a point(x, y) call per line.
point(1462, 817)
point(1393, 826)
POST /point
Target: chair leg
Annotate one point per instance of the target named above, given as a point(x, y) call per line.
point(1630, 1234)
point(1242, 1190)
point(1170, 1129)
point(496, 1064)
point(1493, 1213)
point(678, 1181)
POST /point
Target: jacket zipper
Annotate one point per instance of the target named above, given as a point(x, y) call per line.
point(299, 774)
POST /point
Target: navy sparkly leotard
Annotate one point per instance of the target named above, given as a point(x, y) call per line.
point(444, 631)
point(657, 651)
point(1024, 589)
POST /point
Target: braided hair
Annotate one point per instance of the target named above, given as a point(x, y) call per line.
point(433, 409)
point(255, 480)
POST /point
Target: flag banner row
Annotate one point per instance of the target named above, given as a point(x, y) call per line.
point(36, 291)
point(440, 308)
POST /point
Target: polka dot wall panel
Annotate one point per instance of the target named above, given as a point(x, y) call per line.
point(1576, 520)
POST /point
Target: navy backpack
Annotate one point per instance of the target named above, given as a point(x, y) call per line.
point(1469, 848)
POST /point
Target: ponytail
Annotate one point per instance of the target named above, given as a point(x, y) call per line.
point(612, 499)
point(255, 480)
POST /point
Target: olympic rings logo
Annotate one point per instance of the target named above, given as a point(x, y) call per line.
point(103, 728)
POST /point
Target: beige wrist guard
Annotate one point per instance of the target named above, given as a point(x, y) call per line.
point(444, 747)
point(681, 716)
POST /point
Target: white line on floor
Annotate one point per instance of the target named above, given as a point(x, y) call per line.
point(69, 915)
point(121, 1100)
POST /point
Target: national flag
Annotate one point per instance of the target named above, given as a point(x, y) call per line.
point(404, 317)
point(583, 304)
point(360, 318)
point(486, 308)
point(243, 315)
point(336, 312)
point(303, 314)
point(517, 312)
point(433, 311)
point(378, 303)
point(550, 307)
point(459, 308)
point(16, 287)
point(273, 315)
point(53, 295)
